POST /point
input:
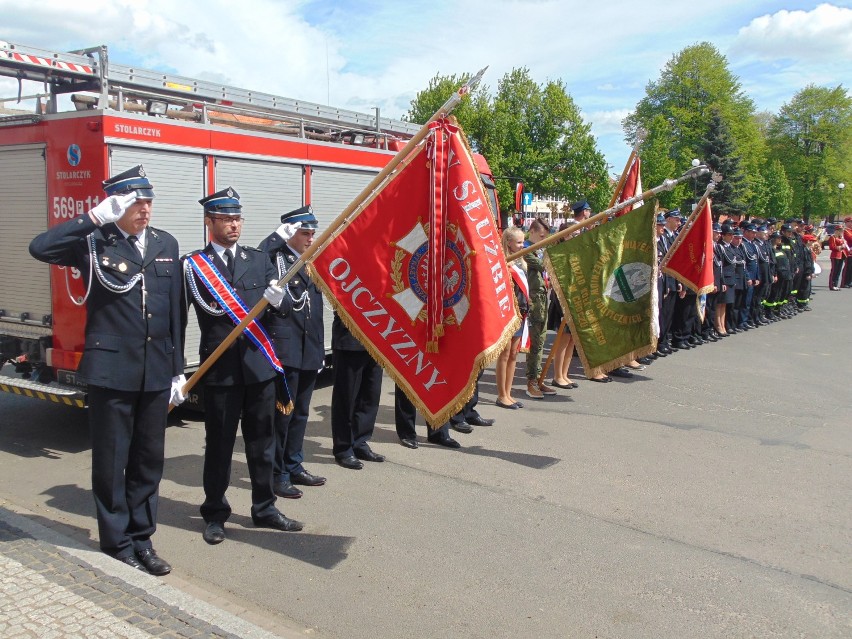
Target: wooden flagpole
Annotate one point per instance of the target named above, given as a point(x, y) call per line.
point(352, 210)
point(691, 219)
point(667, 185)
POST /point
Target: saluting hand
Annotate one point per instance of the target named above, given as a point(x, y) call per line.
point(286, 231)
point(112, 208)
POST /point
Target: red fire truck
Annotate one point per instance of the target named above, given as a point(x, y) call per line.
point(194, 137)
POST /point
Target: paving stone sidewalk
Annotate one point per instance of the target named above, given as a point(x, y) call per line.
point(52, 586)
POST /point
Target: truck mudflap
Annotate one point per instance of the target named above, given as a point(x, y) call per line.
point(52, 392)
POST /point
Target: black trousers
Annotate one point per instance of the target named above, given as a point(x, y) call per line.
point(709, 323)
point(354, 400)
point(836, 268)
point(847, 272)
point(468, 411)
point(251, 406)
point(667, 306)
point(290, 429)
point(405, 415)
point(128, 446)
point(685, 317)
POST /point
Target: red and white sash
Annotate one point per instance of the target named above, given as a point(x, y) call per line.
point(227, 298)
point(519, 277)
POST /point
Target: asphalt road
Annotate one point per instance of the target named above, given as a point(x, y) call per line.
point(709, 496)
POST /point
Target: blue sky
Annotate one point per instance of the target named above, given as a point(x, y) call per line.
point(366, 54)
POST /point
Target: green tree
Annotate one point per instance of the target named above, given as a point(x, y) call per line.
point(779, 194)
point(717, 151)
point(812, 138)
point(529, 131)
point(657, 165)
point(694, 84)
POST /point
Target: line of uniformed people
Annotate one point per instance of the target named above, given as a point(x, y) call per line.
point(761, 275)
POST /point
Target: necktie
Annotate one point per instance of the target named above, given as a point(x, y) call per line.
point(134, 242)
point(229, 261)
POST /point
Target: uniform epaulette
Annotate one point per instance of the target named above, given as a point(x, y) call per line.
point(191, 253)
point(251, 248)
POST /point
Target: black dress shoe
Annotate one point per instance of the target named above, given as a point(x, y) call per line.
point(621, 371)
point(645, 360)
point(278, 522)
point(681, 346)
point(447, 441)
point(462, 427)
point(479, 420)
point(350, 461)
point(155, 565)
point(366, 454)
point(408, 442)
point(286, 489)
point(665, 350)
point(304, 478)
point(133, 562)
point(659, 354)
point(214, 533)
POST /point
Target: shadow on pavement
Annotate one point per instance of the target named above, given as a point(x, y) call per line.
point(323, 551)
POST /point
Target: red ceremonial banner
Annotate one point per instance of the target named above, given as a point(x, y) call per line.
point(690, 258)
point(632, 187)
point(419, 276)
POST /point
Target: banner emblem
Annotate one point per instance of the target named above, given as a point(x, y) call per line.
point(629, 282)
point(412, 259)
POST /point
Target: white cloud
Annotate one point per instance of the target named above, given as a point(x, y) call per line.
point(823, 34)
point(607, 122)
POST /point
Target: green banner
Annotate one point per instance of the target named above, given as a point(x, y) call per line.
point(606, 281)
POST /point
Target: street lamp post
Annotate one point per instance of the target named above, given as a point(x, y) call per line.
point(840, 188)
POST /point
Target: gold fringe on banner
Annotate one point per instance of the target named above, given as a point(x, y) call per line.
point(482, 361)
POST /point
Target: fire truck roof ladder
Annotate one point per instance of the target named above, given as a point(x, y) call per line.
point(91, 71)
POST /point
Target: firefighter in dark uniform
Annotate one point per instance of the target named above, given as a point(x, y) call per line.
point(740, 283)
point(708, 326)
point(667, 287)
point(132, 360)
point(803, 295)
point(240, 387)
point(779, 296)
point(797, 263)
point(752, 273)
point(298, 333)
point(764, 262)
point(728, 256)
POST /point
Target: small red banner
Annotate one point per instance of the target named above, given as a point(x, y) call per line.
point(690, 259)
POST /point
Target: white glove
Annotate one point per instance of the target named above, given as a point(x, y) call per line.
point(112, 208)
point(274, 294)
point(178, 397)
point(287, 231)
